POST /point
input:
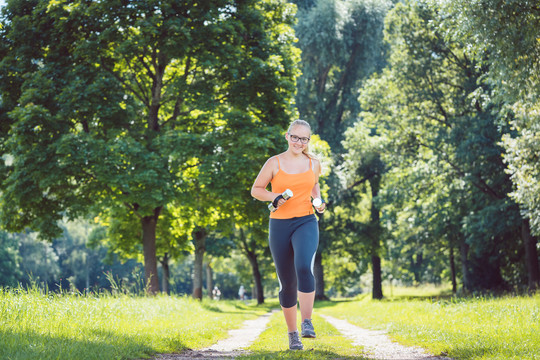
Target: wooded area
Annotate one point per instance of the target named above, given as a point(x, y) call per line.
point(134, 131)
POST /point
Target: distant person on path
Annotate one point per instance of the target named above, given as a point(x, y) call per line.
point(216, 293)
point(294, 230)
point(242, 292)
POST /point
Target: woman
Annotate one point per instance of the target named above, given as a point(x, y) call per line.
point(294, 230)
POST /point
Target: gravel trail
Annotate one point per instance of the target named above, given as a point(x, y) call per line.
point(377, 344)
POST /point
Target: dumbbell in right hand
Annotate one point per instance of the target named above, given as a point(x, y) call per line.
point(285, 196)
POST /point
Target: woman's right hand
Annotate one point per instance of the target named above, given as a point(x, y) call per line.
point(280, 202)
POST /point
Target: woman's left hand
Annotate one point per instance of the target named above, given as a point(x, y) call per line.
point(321, 208)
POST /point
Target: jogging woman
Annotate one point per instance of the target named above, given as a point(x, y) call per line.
point(294, 230)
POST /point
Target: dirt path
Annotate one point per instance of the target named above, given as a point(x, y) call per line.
point(230, 347)
point(376, 343)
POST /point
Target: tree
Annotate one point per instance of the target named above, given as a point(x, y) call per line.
point(10, 274)
point(504, 35)
point(363, 170)
point(341, 43)
point(120, 99)
point(430, 103)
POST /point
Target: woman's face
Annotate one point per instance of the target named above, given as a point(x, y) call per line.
point(296, 138)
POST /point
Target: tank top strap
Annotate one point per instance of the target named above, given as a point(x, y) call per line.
point(277, 157)
point(311, 164)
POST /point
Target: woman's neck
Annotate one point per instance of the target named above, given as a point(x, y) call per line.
point(294, 156)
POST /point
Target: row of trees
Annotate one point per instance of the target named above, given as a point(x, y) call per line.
point(78, 261)
point(70, 262)
point(154, 118)
point(443, 150)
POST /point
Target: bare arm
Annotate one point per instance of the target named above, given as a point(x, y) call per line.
point(316, 191)
point(258, 190)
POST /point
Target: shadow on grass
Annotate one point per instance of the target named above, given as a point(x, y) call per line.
point(329, 303)
point(241, 307)
point(443, 296)
point(305, 354)
point(439, 297)
point(96, 345)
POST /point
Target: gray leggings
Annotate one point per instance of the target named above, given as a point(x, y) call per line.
point(293, 243)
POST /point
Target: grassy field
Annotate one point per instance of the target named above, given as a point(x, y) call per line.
point(37, 325)
point(468, 328)
point(34, 325)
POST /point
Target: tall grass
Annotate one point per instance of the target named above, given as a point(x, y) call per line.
point(36, 324)
point(463, 328)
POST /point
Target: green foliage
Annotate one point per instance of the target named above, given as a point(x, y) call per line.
point(446, 183)
point(341, 46)
point(360, 172)
point(70, 261)
point(125, 109)
point(504, 36)
point(10, 259)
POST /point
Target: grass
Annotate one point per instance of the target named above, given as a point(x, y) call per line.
point(329, 344)
point(36, 325)
point(473, 328)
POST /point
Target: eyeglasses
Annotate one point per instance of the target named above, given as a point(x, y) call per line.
point(294, 138)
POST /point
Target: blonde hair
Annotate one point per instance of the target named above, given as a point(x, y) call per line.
point(306, 124)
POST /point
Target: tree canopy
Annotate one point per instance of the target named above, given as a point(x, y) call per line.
point(119, 105)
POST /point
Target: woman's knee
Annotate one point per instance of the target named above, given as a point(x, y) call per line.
point(288, 295)
point(305, 277)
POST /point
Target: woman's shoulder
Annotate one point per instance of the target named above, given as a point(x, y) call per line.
point(273, 159)
point(277, 158)
point(272, 162)
point(316, 165)
point(315, 160)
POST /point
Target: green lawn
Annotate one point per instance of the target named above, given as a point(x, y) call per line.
point(48, 326)
point(472, 328)
point(36, 325)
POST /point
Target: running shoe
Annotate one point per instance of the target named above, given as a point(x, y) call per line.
point(294, 341)
point(307, 329)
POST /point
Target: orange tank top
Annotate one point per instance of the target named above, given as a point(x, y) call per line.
point(301, 185)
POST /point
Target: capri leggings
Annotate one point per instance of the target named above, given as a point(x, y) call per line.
point(293, 243)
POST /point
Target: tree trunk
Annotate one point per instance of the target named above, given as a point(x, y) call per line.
point(377, 277)
point(166, 274)
point(149, 248)
point(464, 254)
point(209, 281)
point(318, 272)
point(199, 238)
point(376, 240)
point(258, 292)
point(87, 269)
point(453, 270)
point(531, 255)
point(258, 289)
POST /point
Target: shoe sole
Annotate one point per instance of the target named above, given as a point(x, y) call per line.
point(309, 336)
